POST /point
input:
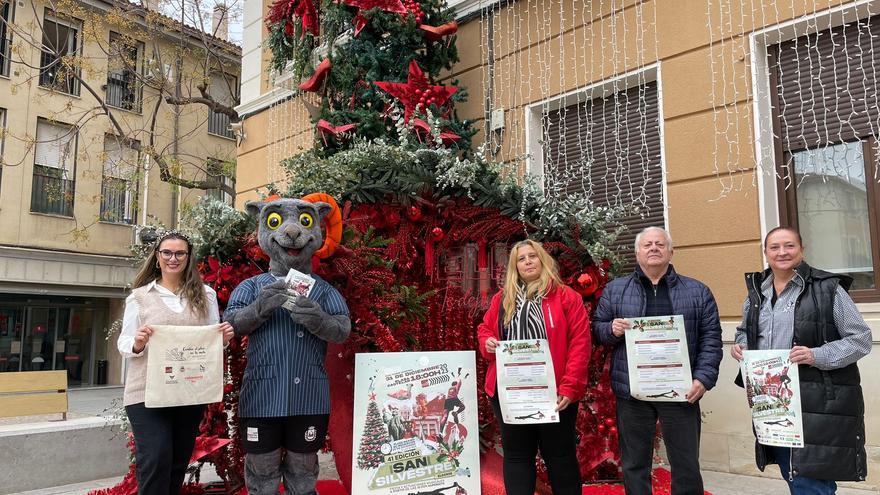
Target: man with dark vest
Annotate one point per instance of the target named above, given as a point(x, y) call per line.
point(794, 306)
point(655, 289)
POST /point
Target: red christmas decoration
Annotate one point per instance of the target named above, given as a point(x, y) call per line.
point(360, 20)
point(417, 93)
point(414, 213)
point(437, 33)
point(437, 234)
point(321, 72)
point(415, 8)
point(326, 128)
point(287, 10)
point(423, 129)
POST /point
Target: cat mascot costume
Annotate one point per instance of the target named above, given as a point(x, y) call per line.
point(284, 404)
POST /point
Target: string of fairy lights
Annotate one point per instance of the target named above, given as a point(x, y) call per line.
point(534, 51)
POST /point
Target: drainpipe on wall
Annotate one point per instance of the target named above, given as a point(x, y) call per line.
point(146, 188)
point(490, 86)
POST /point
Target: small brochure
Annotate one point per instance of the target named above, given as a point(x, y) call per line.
point(299, 283)
point(658, 360)
point(773, 389)
point(526, 382)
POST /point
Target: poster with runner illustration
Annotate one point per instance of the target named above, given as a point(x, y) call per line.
point(415, 424)
point(773, 391)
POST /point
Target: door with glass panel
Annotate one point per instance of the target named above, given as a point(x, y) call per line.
point(11, 332)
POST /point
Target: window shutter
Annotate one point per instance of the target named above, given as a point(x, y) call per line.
point(120, 159)
point(827, 87)
point(220, 89)
point(609, 148)
point(55, 146)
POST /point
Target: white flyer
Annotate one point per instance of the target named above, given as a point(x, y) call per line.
point(184, 366)
point(773, 389)
point(657, 359)
point(299, 283)
point(526, 382)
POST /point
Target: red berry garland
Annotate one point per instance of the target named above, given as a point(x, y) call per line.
point(414, 8)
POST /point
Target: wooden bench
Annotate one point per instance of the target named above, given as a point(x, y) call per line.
point(32, 393)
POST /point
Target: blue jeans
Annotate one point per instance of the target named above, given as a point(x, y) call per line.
point(800, 485)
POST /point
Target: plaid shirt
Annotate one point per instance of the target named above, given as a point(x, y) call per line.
point(776, 326)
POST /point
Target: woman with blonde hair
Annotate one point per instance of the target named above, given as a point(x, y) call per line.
point(535, 304)
point(168, 290)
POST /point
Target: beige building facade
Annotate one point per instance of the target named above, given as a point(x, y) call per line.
point(717, 83)
point(73, 190)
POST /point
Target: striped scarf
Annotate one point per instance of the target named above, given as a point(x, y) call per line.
point(528, 319)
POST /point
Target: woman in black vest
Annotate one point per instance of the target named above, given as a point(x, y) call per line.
point(792, 305)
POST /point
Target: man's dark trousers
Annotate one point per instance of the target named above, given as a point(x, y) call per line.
point(680, 424)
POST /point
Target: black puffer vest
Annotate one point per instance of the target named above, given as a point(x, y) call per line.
point(831, 401)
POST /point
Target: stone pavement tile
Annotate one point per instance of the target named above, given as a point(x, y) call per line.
point(737, 484)
point(74, 489)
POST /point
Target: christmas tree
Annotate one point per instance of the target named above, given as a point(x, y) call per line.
point(380, 61)
point(375, 434)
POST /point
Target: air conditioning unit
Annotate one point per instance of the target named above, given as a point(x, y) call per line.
point(142, 234)
point(154, 72)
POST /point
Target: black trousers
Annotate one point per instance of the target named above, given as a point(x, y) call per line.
point(680, 424)
point(163, 441)
point(558, 445)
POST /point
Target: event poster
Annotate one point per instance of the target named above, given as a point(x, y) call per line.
point(184, 366)
point(658, 360)
point(773, 390)
point(526, 382)
point(415, 424)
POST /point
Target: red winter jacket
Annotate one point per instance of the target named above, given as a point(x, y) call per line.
point(568, 336)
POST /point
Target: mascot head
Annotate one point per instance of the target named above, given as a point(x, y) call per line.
point(289, 231)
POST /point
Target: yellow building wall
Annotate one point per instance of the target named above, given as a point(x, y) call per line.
point(713, 215)
point(26, 102)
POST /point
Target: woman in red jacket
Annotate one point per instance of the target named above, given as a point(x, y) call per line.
point(535, 304)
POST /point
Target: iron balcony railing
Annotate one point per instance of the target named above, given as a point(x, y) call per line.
point(116, 201)
point(218, 124)
point(51, 192)
point(122, 91)
point(55, 76)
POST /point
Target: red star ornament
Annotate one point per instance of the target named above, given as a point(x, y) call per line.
point(417, 91)
point(360, 20)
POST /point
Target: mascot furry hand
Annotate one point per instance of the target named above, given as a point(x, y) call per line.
point(290, 233)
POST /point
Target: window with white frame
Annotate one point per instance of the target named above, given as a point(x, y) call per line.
point(58, 68)
point(119, 186)
point(54, 168)
point(224, 173)
point(608, 147)
point(826, 108)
